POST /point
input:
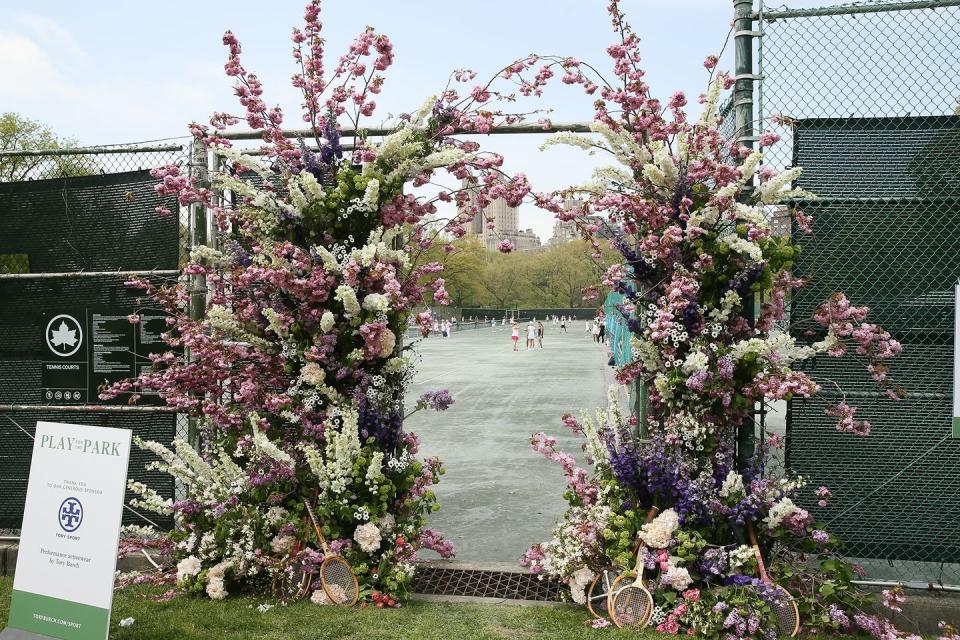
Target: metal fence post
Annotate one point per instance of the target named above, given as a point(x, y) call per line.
point(198, 172)
point(743, 119)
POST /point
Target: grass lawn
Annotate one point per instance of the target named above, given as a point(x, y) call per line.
point(189, 618)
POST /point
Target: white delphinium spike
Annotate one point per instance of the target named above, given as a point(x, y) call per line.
point(772, 191)
point(709, 116)
point(310, 186)
point(330, 264)
point(264, 445)
point(149, 499)
point(420, 117)
point(749, 166)
point(193, 460)
point(235, 156)
point(570, 139)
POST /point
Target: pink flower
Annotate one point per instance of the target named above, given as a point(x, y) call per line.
point(505, 246)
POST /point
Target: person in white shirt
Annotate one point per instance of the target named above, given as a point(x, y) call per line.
point(531, 335)
point(515, 335)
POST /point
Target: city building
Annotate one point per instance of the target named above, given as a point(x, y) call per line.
point(505, 221)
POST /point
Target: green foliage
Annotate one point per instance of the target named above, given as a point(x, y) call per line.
point(552, 277)
point(18, 133)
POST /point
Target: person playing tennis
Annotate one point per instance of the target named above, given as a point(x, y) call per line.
point(515, 335)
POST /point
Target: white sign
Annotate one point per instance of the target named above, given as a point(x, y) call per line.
point(63, 586)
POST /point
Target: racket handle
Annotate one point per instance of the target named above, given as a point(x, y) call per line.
point(756, 552)
point(316, 527)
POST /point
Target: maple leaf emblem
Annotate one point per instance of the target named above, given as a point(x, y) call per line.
point(63, 336)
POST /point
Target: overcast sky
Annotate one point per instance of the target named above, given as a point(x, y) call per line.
point(114, 72)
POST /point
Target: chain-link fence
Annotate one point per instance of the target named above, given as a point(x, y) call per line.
point(74, 225)
point(864, 98)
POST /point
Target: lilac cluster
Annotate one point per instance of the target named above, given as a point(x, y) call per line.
point(439, 400)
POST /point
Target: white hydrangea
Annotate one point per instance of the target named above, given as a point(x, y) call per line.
point(348, 297)
point(281, 544)
point(579, 582)
point(187, 568)
point(216, 589)
point(368, 537)
point(313, 374)
point(677, 577)
point(327, 321)
point(780, 510)
point(657, 534)
point(695, 361)
point(376, 302)
point(732, 485)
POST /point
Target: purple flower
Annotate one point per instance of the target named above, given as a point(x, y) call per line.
point(439, 400)
point(820, 537)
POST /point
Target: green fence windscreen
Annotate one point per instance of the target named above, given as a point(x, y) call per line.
point(90, 223)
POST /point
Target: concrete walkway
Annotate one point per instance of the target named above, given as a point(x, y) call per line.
point(498, 495)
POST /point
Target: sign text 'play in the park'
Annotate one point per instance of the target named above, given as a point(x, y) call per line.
point(63, 585)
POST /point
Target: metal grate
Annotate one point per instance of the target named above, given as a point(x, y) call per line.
point(480, 583)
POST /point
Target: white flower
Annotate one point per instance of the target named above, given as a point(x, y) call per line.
point(313, 374)
point(677, 577)
point(263, 608)
point(127, 622)
point(275, 515)
point(740, 556)
point(578, 584)
point(695, 361)
point(387, 523)
point(371, 195)
point(218, 570)
point(187, 568)
point(281, 544)
point(780, 510)
point(732, 485)
point(376, 302)
point(326, 321)
point(348, 297)
point(263, 444)
point(320, 596)
point(215, 589)
point(657, 534)
point(368, 537)
point(743, 246)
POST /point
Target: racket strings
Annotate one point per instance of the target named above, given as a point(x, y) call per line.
point(599, 594)
point(785, 610)
point(632, 606)
point(338, 581)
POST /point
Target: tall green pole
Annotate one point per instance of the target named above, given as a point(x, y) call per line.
point(198, 169)
point(743, 119)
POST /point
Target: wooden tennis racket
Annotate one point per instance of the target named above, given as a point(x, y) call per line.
point(784, 607)
point(294, 579)
point(337, 578)
point(598, 594)
point(630, 604)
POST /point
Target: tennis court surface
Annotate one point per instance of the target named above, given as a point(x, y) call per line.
point(498, 495)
